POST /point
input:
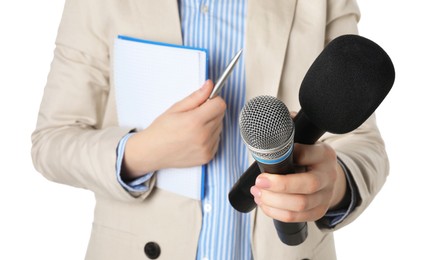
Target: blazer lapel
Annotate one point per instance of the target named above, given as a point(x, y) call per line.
point(268, 28)
point(164, 27)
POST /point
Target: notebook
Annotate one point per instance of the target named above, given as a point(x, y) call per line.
point(149, 77)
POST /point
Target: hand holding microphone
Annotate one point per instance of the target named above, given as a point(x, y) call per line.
point(305, 195)
point(342, 88)
point(268, 131)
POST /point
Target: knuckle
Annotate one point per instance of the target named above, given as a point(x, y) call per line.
point(314, 185)
point(281, 215)
point(282, 186)
point(301, 203)
point(207, 153)
point(319, 213)
point(288, 216)
point(221, 104)
point(203, 138)
point(329, 152)
point(205, 157)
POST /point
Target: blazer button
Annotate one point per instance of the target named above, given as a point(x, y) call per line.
point(152, 250)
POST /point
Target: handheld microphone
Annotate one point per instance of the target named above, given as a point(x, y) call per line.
point(342, 88)
point(268, 131)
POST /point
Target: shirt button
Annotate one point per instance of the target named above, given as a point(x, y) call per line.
point(204, 8)
point(204, 258)
point(207, 207)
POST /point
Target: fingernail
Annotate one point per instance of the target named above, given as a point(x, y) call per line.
point(262, 182)
point(205, 85)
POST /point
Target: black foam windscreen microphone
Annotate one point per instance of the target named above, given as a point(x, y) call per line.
point(342, 88)
point(268, 131)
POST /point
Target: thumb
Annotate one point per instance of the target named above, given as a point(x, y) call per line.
point(195, 99)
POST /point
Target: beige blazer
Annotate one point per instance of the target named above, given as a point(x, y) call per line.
point(77, 134)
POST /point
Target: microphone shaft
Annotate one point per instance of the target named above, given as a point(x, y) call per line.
point(305, 131)
point(291, 234)
point(240, 196)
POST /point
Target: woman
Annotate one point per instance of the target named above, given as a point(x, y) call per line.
point(78, 141)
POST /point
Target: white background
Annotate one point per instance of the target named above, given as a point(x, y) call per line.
point(44, 220)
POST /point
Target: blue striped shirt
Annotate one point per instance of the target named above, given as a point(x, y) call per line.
point(219, 26)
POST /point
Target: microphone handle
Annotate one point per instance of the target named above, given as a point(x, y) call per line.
point(240, 197)
point(291, 234)
point(305, 131)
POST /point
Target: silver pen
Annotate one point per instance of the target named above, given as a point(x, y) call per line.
point(220, 82)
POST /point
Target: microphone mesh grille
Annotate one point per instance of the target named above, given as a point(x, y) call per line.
point(266, 127)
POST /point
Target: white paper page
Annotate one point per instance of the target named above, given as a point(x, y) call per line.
point(149, 78)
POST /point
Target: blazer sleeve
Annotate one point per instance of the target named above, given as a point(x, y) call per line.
point(363, 150)
point(72, 143)
point(342, 18)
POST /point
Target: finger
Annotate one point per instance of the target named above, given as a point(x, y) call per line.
point(212, 144)
point(212, 130)
point(216, 127)
point(215, 145)
point(292, 216)
point(290, 202)
point(212, 109)
point(297, 183)
point(195, 99)
point(214, 123)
